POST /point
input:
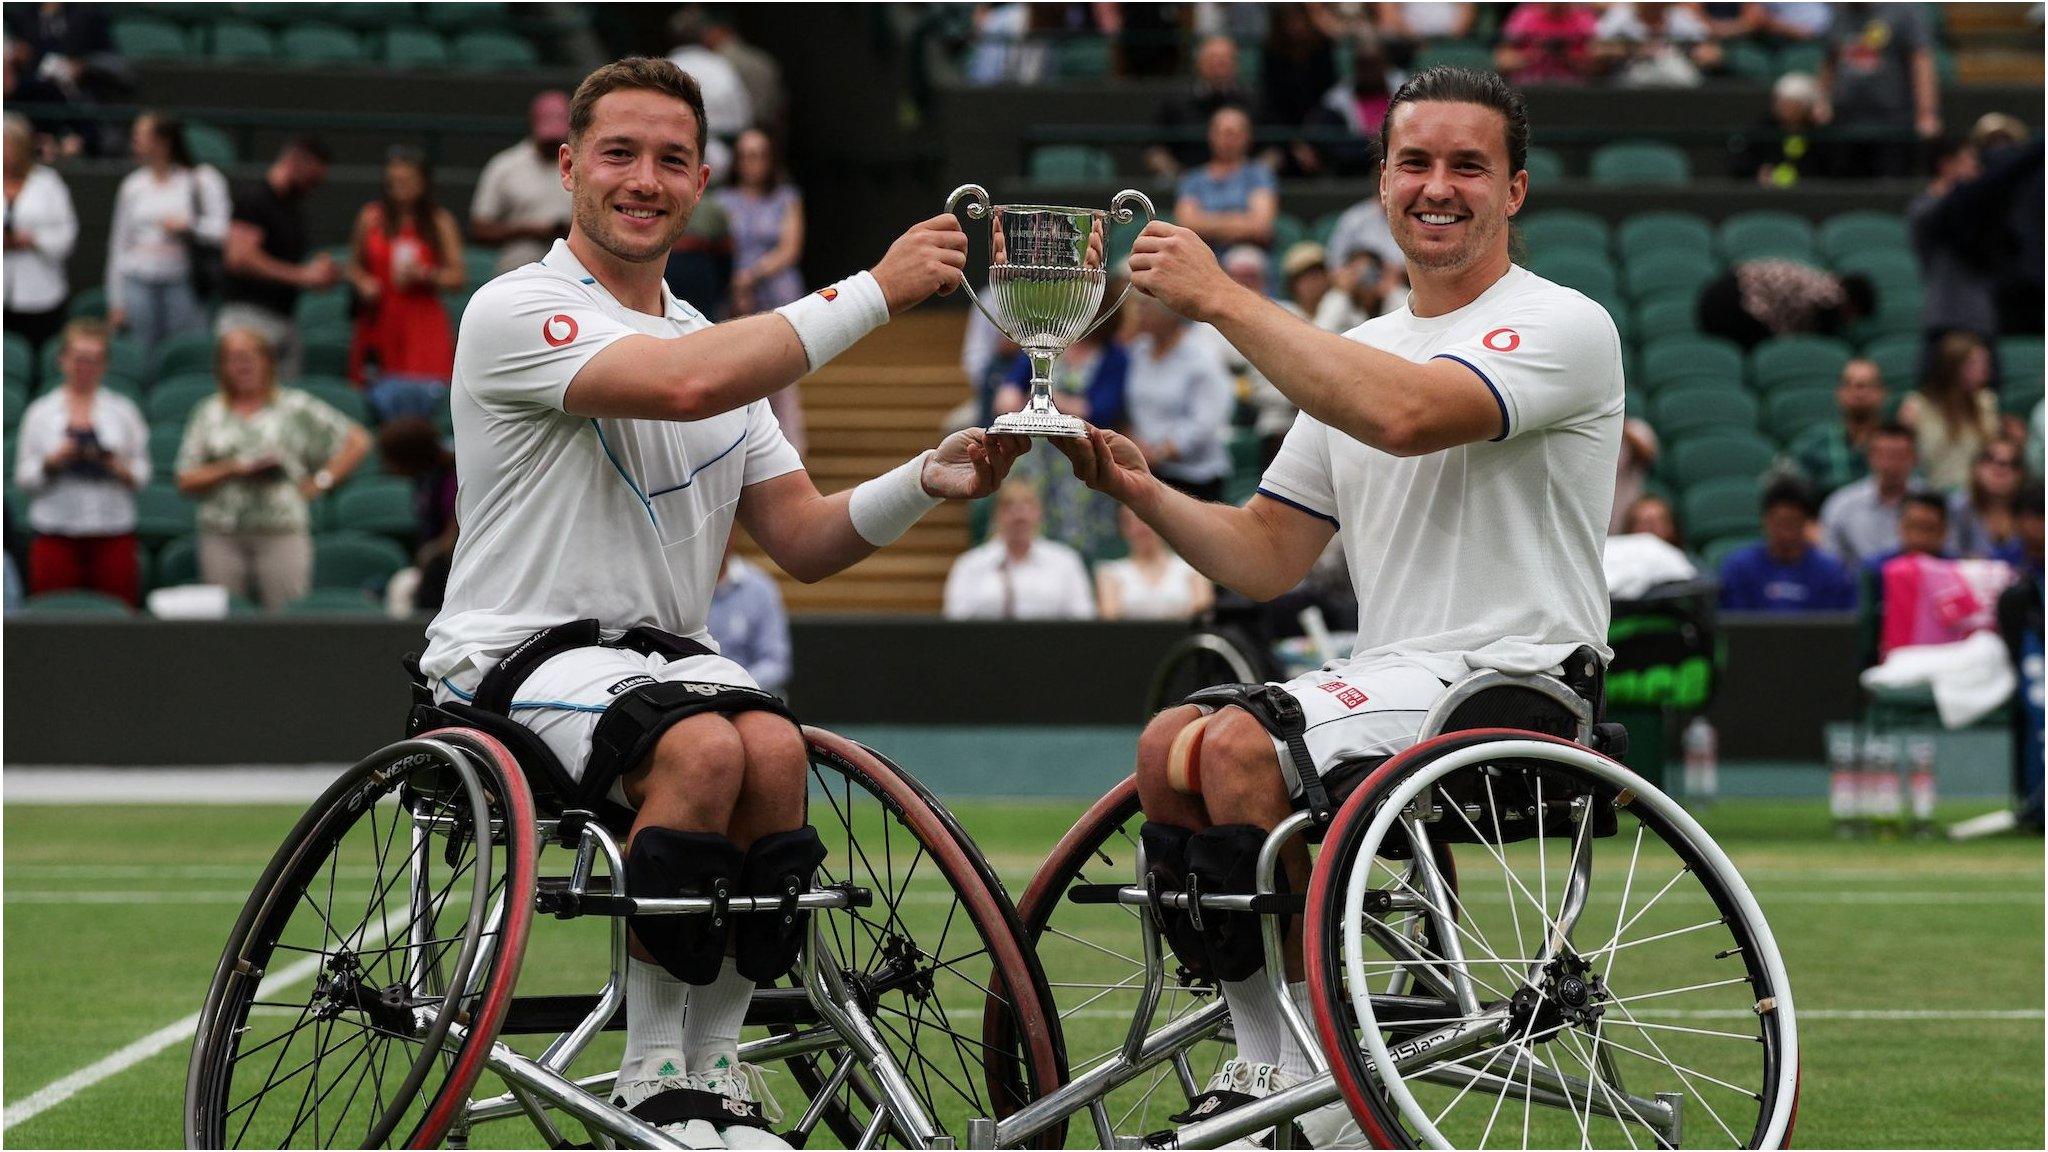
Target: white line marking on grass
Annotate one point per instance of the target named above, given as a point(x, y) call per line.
point(1867, 1014)
point(235, 784)
point(50, 1095)
point(39, 896)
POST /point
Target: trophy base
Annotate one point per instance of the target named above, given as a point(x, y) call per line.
point(1037, 424)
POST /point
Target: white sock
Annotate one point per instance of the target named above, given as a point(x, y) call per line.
point(712, 1029)
point(1293, 1060)
point(655, 1003)
point(1255, 1019)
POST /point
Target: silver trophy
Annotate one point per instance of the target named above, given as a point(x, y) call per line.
point(1045, 279)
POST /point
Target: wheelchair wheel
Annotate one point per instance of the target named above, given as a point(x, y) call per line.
point(1215, 655)
point(939, 947)
point(1613, 983)
point(371, 968)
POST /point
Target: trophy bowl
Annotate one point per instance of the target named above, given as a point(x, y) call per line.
point(1047, 271)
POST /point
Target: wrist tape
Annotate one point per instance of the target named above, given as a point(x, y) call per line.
point(884, 508)
point(831, 320)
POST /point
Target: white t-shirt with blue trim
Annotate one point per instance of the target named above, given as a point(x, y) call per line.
point(566, 517)
point(1486, 555)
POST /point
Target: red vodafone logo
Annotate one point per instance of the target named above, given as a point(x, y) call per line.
point(558, 330)
point(1502, 340)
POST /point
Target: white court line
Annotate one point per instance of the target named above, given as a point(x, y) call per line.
point(50, 1095)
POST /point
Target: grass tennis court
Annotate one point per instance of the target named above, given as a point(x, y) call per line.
point(1917, 965)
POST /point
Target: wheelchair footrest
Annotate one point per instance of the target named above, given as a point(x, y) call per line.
point(1264, 904)
point(555, 896)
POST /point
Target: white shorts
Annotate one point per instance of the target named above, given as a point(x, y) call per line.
point(1355, 711)
point(567, 694)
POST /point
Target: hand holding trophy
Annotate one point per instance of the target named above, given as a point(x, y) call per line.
point(1045, 280)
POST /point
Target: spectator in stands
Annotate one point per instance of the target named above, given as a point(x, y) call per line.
point(1548, 44)
point(1357, 106)
point(1361, 288)
point(1758, 299)
point(728, 110)
point(67, 50)
point(1862, 519)
point(1180, 397)
point(1784, 572)
point(748, 621)
point(19, 84)
point(1216, 86)
point(405, 252)
point(1954, 412)
point(758, 71)
point(13, 595)
point(41, 230)
point(80, 454)
point(1300, 66)
point(1831, 456)
point(520, 206)
point(1786, 147)
point(1018, 574)
point(170, 217)
point(765, 213)
point(256, 456)
point(1639, 450)
point(1881, 87)
point(1151, 583)
point(1364, 226)
point(1230, 199)
point(1656, 45)
point(1305, 274)
point(1982, 513)
point(269, 258)
point(1408, 26)
point(411, 447)
point(1090, 382)
point(1653, 515)
point(1923, 530)
point(1785, 23)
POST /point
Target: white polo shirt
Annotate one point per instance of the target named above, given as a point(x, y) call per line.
point(1486, 555)
point(566, 517)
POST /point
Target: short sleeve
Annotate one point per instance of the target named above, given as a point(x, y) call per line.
point(768, 452)
point(524, 339)
point(1262, 179)
point(326, 428)
point(1551, 362)
point(1299, 475)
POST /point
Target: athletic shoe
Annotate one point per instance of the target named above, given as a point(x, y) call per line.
point(632, 1094)
point(1331, 1126)
point(1234, 1085)
point(746, 1095)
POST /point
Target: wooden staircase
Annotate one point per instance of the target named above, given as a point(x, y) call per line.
point(865, 413)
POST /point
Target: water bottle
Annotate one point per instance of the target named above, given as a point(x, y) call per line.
point(1843, 775)
point(1920, 785)
point(1702, 761)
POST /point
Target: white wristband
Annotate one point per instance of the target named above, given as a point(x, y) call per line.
point(884, 508)
point(831, 320)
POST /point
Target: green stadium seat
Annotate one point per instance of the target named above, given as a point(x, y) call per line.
point(488, 51)
point(172, 400)
point(176, 563)
point(1084, 58)
point(1748, 60)
point(1884, 266)
point(2020, 365)
point(1680, 357)
point(147, 38)
point(320, 44)
point(1681, 273)
point(1805, 58)
point(1545, 167)
point(1717, 551)
point(1324, 226)
point(164, 441)
point(16, 506)
point(461, 17)
point(1797, 362)
point(375, 15)
point(1649, 233)
point(1589, 272)
point(1854, 232)
point(334, 602)
point(1897, 359)
point(240, 41)
point(162, 513)
point(74, 602)
point(1454, 54)
point(1287, 232)
point(1639, 163)
point(1668, 315)
point(1564, 230)
point(405, 47)
point(338, 394)
point(324, 354)
point(20, 362)
point(323, 310)
point(345, 559)
point(125, 358)
point(1898, 311)
point(1765, 234)
point(180, 355)
point(86, 304)
point(210, 145)
point(1717, 509)
point(1717, 455)
point(1682, 410)
point(479, 266)
point(16, 402)
point(1790, 411)
point(379, 505)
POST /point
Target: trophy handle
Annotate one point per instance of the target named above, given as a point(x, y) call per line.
point(1120, 212)
point(977, 209)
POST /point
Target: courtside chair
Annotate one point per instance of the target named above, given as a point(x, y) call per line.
point(74, 602)
point(1668, 314)
point(411, 48)
point(147, 38)
point(338, 394)
point(1797, 362)
point(1562, 230)
point(1853, 232)
point(162, 513)
point(1717, 455)
point(191, 353)
point(1677, 273)
point(1791, 411)
point(1766, 234)
point(1897, 359)
point(320, 45)
point(1589, 272)
point(1678, 357)
point(238, 41)
point(490, 51)
point(1640, 163)
point(1658, 233)
point(378, 505)
point(1683, 410)
point(346, 559)
point(1718, 509)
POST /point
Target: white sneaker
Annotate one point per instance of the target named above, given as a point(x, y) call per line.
point(1331, 1126)
point(1234, 1085)
point(746, 1092)
point(689, 1133)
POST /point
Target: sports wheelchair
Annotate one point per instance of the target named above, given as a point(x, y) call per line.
point(1509, 939)
point(370, 979)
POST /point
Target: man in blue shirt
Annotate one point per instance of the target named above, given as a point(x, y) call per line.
point(1231, 199)
point(748, 621)
point(1785, 572)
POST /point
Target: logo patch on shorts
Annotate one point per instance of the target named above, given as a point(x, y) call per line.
point(629, 682)
point(1346, 695)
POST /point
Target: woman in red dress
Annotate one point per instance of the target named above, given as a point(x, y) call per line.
point(406, 251)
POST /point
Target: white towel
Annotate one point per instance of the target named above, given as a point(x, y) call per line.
point(1970, 677)
point(1639, 562)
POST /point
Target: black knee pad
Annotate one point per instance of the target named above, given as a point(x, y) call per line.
point(663, 864)
point(1223, 861)
point(765, 944)
point(1166, 856)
